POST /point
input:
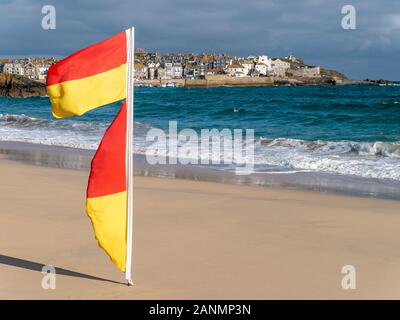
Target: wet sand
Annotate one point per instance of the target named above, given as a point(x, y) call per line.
point(195, 240)
point(79, 159)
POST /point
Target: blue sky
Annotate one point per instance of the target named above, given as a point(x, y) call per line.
point(310, 29)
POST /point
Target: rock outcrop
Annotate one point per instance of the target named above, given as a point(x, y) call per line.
point(20, 87)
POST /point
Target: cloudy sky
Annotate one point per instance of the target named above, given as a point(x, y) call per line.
point(309, 28)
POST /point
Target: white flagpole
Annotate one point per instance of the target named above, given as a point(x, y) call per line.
point(130, 33)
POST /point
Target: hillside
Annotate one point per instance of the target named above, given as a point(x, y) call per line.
point(20, 87)
point(333, 73)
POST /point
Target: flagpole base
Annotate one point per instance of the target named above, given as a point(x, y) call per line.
point(129, 283)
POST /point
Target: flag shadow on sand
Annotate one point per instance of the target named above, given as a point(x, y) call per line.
point(35, 266)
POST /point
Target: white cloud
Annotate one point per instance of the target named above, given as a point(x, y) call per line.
point(391, 22)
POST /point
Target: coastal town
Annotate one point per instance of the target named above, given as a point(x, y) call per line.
point(156, 69)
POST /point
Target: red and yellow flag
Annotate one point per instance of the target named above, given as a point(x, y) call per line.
point(89, 78)
point(106, 192)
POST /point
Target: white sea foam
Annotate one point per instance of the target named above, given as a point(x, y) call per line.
point(372, 160)
point(66, 133)
point(365, 159)
point(21, 128)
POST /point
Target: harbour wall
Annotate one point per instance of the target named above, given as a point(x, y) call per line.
point(211, 81)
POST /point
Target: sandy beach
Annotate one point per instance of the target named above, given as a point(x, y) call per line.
point(195, 240)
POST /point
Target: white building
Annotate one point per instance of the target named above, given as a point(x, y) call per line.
point(30, 70)
point(177, 70)
point(14, 68)
point(173, 70)
point(262, 69)
point(41, 71)
point(152, 70)
point(140, 71)
point(292, 58)
point(161, 74)
point(168, 71)
point(27, 69)
point(252, 57)
point(279, 67)
point(248, 67)
point(236, 70)
point(152, 73)
point(213, 72)
point(266, 61)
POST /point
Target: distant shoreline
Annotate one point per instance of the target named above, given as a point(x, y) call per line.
point(221, 81)
point(258, 82)
point(15, 86)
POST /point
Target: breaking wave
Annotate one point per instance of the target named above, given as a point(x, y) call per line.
point(365, 159)
point(67, 133)
point(379, 149)
point(377, 159)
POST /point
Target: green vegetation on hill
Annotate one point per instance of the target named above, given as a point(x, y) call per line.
point(333, 73)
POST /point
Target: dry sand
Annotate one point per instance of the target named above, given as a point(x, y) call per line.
point(196, 240)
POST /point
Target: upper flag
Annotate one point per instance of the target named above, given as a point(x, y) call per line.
point(89, 78)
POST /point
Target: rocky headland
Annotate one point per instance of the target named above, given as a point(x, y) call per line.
point(20, 87)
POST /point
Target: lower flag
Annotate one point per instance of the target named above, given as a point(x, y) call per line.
point(107, 191)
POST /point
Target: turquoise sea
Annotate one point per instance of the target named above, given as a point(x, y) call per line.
point(351, 130)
